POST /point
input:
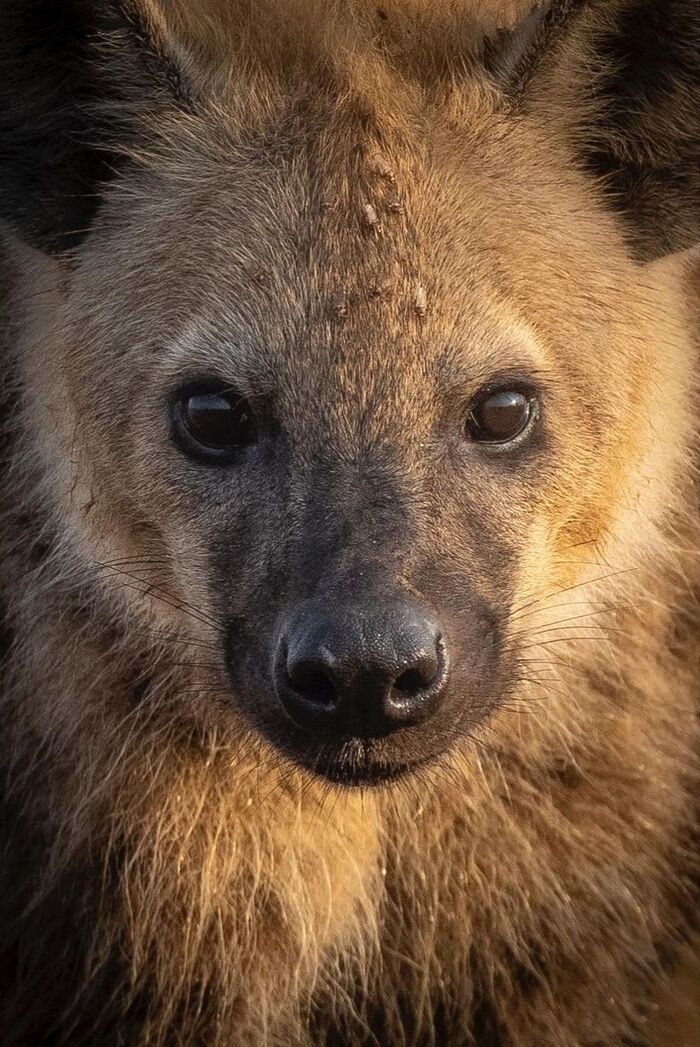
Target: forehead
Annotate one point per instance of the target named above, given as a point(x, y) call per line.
point(422, 232)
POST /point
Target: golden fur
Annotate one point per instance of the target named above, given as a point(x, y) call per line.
point(527, 889)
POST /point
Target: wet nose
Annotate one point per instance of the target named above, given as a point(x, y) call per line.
point(361, 671)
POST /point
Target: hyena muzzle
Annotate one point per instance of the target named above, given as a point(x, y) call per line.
point(350, 528)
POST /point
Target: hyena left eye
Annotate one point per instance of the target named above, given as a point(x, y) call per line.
point(213, 425)
point(500, 416)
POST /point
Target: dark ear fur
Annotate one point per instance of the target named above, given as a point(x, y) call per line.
point(70, 72)
point(638, 66)
point(646, 140)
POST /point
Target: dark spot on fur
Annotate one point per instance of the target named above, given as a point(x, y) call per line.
point(339, 306)
point(567, 773)
point(6, 634)
point(139, 689)
point(486, 1030)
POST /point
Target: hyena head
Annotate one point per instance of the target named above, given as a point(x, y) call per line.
point(352, 351)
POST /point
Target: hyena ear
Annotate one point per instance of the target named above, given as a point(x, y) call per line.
point(76, 76)
point(628, 72)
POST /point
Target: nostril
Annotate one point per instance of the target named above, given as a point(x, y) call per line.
point(411, 681)
point(312, 682)
point(424, 674)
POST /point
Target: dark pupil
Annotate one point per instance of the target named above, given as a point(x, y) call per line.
point(216, 421)
point(502, 416)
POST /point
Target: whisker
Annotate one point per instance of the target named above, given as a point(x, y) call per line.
point(202, 644)
point(195, 665)
point(607, 609)
point(156, 591)
point(560, 624)
point(573, 588)
point(152, 591)
point(563, 639)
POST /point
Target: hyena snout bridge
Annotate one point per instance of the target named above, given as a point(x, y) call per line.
point(360, 669)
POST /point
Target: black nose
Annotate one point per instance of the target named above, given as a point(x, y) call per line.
point(358, 670)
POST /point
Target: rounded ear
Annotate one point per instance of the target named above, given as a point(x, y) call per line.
point(629, 72)
point(74, 77)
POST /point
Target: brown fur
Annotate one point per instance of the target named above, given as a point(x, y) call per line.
point(170, 878)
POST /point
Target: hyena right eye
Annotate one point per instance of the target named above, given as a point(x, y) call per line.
point(212, 423)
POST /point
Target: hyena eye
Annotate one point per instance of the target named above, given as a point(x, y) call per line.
point(499, 416)
point(213, 424)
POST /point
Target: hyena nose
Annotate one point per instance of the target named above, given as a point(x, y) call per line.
point(361, 671)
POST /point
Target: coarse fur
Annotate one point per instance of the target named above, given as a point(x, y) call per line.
point(171, 874)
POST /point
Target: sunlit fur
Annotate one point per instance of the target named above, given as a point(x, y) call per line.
point(533, 885)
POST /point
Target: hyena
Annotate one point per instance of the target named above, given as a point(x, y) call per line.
point(349, 529)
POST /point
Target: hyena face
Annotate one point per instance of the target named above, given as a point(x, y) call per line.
point(337, 383)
